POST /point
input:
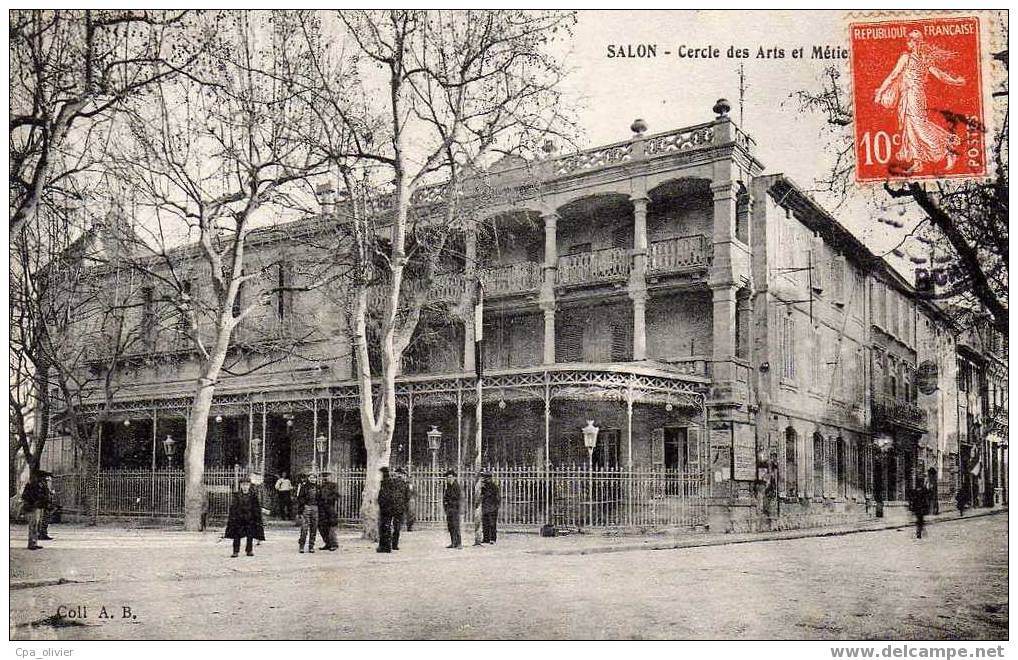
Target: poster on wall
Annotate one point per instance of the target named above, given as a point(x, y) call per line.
point(744, 453)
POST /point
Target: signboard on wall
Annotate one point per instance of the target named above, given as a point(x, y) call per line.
point(744, 453)
point(927, 377)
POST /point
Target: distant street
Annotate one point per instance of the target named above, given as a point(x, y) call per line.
point(874, 585)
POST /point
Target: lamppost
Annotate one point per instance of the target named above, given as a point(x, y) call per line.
point(590, 441)
point(168, 445)
point(434, 442)
point(320, 442)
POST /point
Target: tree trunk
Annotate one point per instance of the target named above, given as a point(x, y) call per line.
point(194, 458)
point(378, 445)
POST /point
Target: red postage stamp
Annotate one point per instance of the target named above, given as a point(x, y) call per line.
point(918, 99)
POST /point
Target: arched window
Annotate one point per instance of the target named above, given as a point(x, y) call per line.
point(818, 465)
point(791, 463)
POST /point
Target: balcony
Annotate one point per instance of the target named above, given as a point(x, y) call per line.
point(892, 412)
point(677, 255)
point(595, 267)
point(517, 278)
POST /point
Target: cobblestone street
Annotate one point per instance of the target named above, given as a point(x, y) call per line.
point(873, 585)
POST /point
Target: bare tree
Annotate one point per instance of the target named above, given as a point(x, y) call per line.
point(455, 89)
point(210, 161)
point(71, 71)
point(961, 245)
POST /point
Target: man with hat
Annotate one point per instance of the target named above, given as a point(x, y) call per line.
point(328, 511)
point(402, 486)
point(245, 518)
point(388, 497)
point(491, 499)
point(34, 502)
point(451, 497)
point(307, 503)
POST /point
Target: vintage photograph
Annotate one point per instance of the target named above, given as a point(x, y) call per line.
point(528, 324)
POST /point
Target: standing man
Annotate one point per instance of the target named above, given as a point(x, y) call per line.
point(245, 518)
point(283, 488)
point(388, 495)
point(919, 502)
point(402, 487)
point(451, 496)
point(307, 502)
point(51, 507)
point(34, 500)
point(491, 498)
point(328, 511)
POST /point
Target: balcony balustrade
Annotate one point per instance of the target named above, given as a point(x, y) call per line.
point(593, 267)
point(520, 277)
point(892, 412)
point(676, 255)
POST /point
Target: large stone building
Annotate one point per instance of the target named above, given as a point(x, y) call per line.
point(708, 317)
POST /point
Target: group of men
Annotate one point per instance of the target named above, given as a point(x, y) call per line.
point(318, 508)
point(37, 502)
point(395, 499)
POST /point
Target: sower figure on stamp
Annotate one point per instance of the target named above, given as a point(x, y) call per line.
point(328, 511)
point(307, 502)
point(245, 518)
point(451, 496)
point(491, 499)
point(34, 500)
point(387, 502)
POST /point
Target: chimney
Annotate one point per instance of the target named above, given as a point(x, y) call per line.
point(327, 198)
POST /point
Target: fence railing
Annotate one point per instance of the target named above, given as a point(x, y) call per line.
point(570, 497)
point(512, 278)
point(597, 266)
point(679, 254)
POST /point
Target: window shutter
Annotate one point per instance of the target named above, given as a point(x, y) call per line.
point(569, 347)
point(621, 237)
point(693, 448)
point(535, 252)
point(657, 442)
point(838, 277)
point(817, 259)
point(622, 335)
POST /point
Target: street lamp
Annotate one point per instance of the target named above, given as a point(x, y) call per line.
point(434, 442)
point(590, 441)
point(320, 442)
point(168, 445)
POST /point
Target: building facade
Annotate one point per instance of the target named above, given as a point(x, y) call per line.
point(709, 318)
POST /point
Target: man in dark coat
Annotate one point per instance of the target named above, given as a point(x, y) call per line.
point(388, 497)
point(328, 511)
point(451, 497)
point(34, 502)
point(307, 504)
point(401, 483)
point(919, 503)
point(491, 499)
point(245, 519)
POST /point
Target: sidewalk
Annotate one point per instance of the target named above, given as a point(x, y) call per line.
point(82, 554)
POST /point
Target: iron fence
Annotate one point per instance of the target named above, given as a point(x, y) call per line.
point(567, 497)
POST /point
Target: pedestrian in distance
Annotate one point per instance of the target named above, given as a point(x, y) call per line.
point(284, 490)
point(51, 506)
point(409, 515)
point(328, 511)
point(307, 503)
point(478, 527)
point(244, 520)
point(491, 499)
point(961, 499)
point(34, 501)
point(401, 484)
point(451, 497)
point(388, 496)
point(919, 503)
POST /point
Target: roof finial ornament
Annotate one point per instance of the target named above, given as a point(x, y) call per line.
point(638, 126)
point(722, 108)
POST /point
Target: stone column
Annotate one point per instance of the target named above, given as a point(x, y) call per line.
point(469, 273)
point(744, 310)
point(638, 277)
point(724, 323)
point(547, 297)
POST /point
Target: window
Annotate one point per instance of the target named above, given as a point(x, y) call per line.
point(791, 463)
point(818, 465)
point(816, 358)
point(148, 318)
point(840, 467)
point(788, 347)
point(860, 377)
point(817, 264)
point(283, 294)
point(676, 449)
point(838, 280)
